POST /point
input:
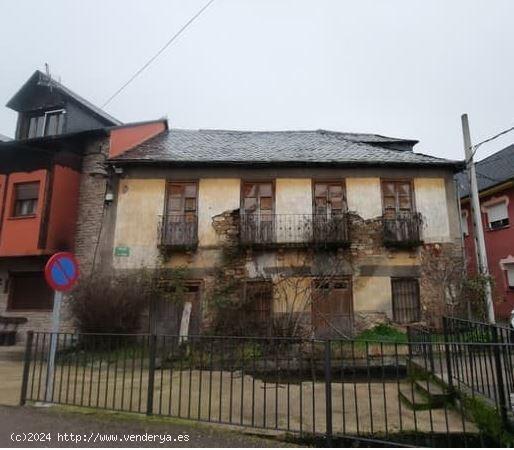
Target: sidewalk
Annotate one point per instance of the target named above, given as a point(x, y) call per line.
point(10, 387)
point(54, 427)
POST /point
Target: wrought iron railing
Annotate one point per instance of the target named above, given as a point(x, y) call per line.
point(178, 231)
point(293, 229)
point(403, 230)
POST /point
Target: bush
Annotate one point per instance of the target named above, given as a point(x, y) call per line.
point(383, 333)
point(106, 304)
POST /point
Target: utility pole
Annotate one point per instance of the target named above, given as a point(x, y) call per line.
point(477, 219)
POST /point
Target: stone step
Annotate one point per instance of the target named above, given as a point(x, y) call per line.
point(433, 392)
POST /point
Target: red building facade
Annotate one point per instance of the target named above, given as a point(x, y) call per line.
point(496, 183)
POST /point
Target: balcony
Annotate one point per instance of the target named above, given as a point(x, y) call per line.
point(295, 230)
point(403, 231)
point(178, 231)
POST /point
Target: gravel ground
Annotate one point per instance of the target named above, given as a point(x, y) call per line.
point(50, 427)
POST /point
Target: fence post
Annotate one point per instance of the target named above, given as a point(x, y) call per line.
point(448, 355)
point(26, 367)
point(502, 401)
point(328, 392)
point(151, 373)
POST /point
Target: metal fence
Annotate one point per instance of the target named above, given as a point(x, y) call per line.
point(345, 389)
point(482, 360)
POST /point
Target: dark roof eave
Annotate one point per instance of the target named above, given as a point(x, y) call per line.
point(455, 165)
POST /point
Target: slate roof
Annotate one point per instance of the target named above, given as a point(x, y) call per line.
point(276, 147)
point(40, 78)
point(493, 170)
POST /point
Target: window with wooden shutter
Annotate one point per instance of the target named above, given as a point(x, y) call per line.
point(396, 198)
point(25, 199)
point(29, 291)
point(329, 198)
point(406, 303)
point(180, 225)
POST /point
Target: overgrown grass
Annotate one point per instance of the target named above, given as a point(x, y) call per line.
point(382, 333)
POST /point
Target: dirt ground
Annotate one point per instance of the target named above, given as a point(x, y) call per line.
point(231, 398)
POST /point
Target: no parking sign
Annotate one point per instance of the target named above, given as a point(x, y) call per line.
point(61, 274)
point(62, 271)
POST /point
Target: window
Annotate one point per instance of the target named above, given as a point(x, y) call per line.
point(329, 199)
point(25, 199)
point(182, 199)
point(28, 290)
point(258, 199)
point(259, 296)
point(397, 198)
point(464, 223)
point(49, 123)
point(180, 227)
point(406, 306)
point(509, 268)
point(497, 215)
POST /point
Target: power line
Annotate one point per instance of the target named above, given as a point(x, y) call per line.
point(154, 57)
point(496, 136)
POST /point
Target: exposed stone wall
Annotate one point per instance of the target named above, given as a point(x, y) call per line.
point(93, 187)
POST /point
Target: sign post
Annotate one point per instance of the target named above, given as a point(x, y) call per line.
point(61, 274)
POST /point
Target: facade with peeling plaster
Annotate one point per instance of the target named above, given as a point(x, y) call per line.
point(304, 211)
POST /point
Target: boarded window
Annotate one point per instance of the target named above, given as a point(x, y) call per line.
point(29, 291)
point(396, 198)
point(25, 199)
point(406, 304)
point(329, 198)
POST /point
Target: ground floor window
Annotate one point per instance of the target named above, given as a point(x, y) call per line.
point(29, 291)
point(258, 300)
point(406, 304)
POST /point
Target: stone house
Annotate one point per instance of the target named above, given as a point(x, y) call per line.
point(326, 230)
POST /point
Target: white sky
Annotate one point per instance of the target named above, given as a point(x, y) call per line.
point(402, 68)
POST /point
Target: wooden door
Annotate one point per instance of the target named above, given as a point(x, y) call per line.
point(332, 308)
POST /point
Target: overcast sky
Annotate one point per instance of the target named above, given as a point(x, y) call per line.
point(396, 67)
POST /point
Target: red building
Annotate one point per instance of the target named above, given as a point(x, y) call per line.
point(495, 176)
point(42, 180)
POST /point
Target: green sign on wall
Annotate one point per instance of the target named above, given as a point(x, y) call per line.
point(121, 251)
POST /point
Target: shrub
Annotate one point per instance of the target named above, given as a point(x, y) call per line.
point(107, 304)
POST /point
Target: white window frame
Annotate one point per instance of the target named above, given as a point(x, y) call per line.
point(493, 205)
point(509, 269)
point(464, 222)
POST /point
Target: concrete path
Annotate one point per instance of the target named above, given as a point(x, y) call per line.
point(10, 386)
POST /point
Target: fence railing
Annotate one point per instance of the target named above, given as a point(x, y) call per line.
point(333, 389)
point(482, 360)
point(293, 229)
point(178, 230)
point(403, 230)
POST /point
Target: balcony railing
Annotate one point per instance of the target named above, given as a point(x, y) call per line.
point(404, 230)
point(178, 231)
point(267, 230)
